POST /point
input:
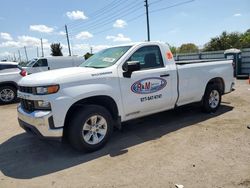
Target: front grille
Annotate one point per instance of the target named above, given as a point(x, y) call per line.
point(27, 89)
point(28, 105)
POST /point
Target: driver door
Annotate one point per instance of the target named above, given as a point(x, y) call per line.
point(149, 89)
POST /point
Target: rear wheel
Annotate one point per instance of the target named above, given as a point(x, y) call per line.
point(211, 99)
point(8, 94)
point(90, 129)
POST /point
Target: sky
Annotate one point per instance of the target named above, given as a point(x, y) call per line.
point(98, 24)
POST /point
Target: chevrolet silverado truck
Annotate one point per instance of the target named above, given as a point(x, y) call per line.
point(85, 103)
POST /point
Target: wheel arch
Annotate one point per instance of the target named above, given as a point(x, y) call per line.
point(10, 83)
point(217, 81)
point(102, 100)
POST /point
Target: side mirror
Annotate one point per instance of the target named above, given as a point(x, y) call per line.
point(129, 67)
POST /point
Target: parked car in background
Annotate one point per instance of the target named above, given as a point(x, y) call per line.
point(10, 74)
point(51, 63)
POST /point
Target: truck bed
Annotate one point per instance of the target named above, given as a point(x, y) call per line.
point(192, 77)
point(183, 62)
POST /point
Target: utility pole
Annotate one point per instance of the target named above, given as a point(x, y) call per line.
point(26, 53)
point(37, 52)
point(146, 5)
point(19, 55)
point(14, 55)
point(42, 47)
point(67, 35)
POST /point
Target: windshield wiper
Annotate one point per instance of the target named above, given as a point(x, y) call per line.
point(94, 67)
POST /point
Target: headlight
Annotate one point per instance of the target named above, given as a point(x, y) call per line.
point(44, 90)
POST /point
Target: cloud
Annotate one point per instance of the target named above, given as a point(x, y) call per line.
point(76, 15)
point(10, 44)
point(120, 24)
point(237, 14)
point(41, 28)
point(61, 33)
point(24, 40)
point(84, 35)
point(119, 38)
point(5, 36)
point(97, 48)
point(29, 41)
point(5, 54)
point(83, 48)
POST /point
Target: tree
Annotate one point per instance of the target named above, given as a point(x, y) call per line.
point(245, 39)
point(188, 48)
point(224, 41)
point(87, 55)
point(56, 49)
point(173, 49)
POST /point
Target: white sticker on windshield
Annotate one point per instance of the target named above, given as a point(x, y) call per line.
point(108, 59)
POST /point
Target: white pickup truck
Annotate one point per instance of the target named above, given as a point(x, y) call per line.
point(115, 85)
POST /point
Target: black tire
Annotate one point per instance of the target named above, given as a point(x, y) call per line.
point(75, 128)
point(210, 106)
point(4, 100)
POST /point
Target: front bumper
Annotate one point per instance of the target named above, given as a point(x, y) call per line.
point(39, 123)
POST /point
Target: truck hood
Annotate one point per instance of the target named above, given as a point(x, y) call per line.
point(57, 76)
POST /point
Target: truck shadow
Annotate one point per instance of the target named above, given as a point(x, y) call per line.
point(24, 156)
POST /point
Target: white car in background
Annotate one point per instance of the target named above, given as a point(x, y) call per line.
point(51, 63)
point(10, 74)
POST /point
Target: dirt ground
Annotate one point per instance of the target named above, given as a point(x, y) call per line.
point(183, 146)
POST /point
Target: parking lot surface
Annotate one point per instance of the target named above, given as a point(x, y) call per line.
point(183, 146)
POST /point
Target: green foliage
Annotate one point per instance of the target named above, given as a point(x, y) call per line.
point(245, 39)
point(22, 63)
point(87, 55)
point(173, 49)
point(223, 42)
point(229, 40)
point(188, 48)
point(56, 49)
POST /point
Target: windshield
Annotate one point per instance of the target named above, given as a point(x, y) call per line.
point(106, 58)
point(31, 63)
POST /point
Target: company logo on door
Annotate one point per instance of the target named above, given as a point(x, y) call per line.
point(148, 85)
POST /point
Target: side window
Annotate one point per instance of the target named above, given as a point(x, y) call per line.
point(149, 57)
point(2, 67)
point(41, 63)
point(12, 66)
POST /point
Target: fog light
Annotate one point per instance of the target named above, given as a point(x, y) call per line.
point(42, 105)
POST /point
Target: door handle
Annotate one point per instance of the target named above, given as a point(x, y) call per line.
point(164, 75)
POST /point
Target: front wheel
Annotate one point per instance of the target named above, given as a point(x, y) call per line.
point(211, 98)
point(90, 129)
point(8, 94)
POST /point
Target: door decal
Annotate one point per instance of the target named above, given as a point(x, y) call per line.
point(148, 85)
